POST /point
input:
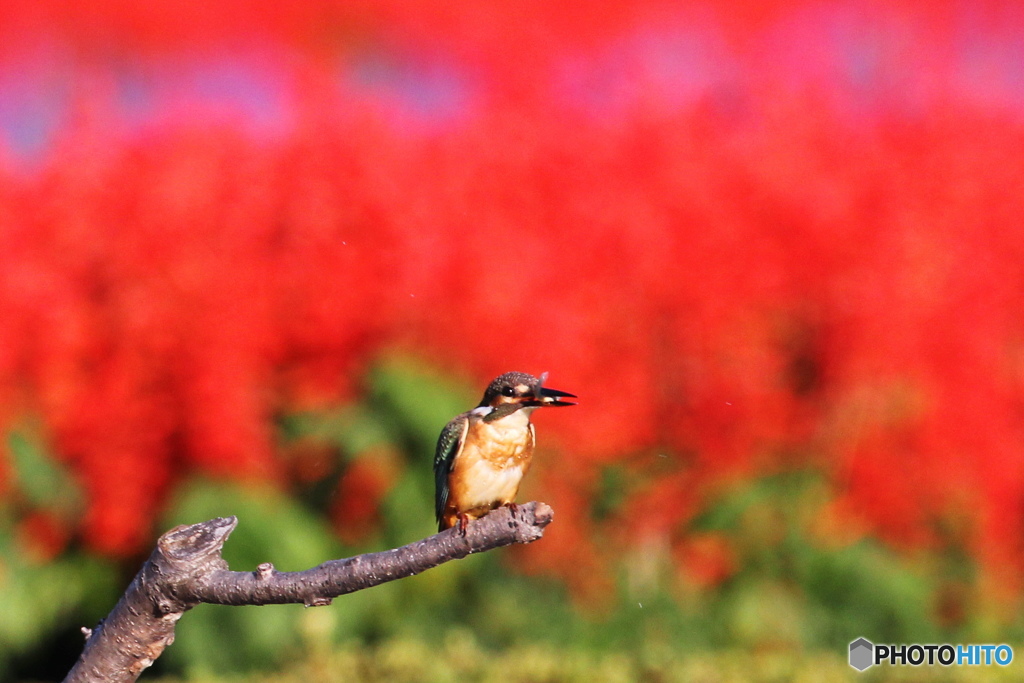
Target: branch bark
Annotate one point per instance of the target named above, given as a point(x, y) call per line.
point(186, 569)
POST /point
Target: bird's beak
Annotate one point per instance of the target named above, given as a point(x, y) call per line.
point(550, 397)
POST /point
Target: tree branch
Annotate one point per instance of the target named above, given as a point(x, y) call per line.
point(187, 569)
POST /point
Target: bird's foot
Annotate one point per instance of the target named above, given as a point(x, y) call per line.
point(513, 508)
point(462, 523)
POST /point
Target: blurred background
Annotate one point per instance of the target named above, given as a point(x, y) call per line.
point(255, 255)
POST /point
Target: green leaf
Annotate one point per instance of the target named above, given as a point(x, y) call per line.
point(419, 401)
point(42, 480)
point(40, 599)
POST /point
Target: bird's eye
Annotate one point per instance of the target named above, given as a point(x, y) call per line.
point(508, 391)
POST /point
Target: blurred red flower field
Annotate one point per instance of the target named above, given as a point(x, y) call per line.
point(752, 238)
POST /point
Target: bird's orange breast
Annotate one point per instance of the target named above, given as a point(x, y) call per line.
point(493, 461)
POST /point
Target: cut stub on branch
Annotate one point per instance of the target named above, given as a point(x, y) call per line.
point(186, 568)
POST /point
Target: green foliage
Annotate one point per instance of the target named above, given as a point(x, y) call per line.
point(43, 482)
point(397, 390)
point(41, 596)
point(792, 586)
point(40, 599)
point(395, 418)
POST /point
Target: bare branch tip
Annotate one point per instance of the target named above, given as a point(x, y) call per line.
point(543, 514)
point(204, 537)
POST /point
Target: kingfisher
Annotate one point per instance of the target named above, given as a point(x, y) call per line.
point(482, 455)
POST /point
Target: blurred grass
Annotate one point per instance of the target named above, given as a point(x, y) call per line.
point(461, 658)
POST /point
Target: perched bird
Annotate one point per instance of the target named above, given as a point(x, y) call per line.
point(483, 454)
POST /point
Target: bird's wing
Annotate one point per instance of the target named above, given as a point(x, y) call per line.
point(449, 445)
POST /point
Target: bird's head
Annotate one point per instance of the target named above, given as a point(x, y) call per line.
point(520, 390)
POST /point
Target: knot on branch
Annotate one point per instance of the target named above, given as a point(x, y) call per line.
point(318, 601)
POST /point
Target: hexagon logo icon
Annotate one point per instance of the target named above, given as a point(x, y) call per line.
point(861, 654)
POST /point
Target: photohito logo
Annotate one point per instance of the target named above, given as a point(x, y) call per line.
point(864, 653)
